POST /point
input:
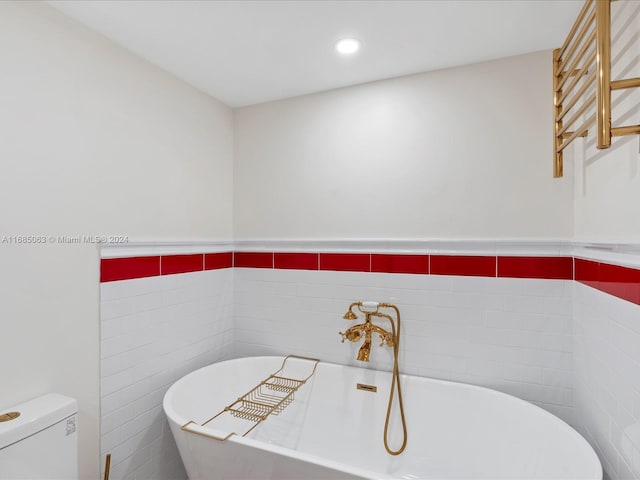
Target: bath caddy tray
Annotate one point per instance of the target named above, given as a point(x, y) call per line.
point(270, 397)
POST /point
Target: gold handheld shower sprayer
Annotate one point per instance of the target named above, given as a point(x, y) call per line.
point(391, 339)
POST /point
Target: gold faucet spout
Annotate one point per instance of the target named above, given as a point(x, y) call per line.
point(365, 350)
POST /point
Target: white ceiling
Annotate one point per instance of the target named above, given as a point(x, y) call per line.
point(246, 52)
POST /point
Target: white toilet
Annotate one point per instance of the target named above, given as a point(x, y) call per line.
point(39, 439)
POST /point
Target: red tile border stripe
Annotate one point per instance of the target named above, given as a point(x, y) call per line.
point(114, 269)
point(253, 259)
point(587, 272)
point(215, 261)
point(463, 265)
point(621, 282)
point(399, 263)
point(296, 261)
point(553, 268)
point(172, 264)
point(345, 262)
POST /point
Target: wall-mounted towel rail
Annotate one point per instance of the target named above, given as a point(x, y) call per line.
point(584, 61)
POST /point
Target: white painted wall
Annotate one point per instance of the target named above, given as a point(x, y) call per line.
point(459, 153)
point(93, 140)
point(607, 182)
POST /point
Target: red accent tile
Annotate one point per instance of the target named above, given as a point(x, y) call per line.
point(172, 264)
point(560, 268)
point(587, 272)
point(296, 261)
point(253, 259)
point(215, 261)
point(463, 265)
point(345, 262)
point(397, 263)
point(622, 282)
point(113, 269)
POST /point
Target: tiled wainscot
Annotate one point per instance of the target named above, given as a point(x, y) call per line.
point(559, 331)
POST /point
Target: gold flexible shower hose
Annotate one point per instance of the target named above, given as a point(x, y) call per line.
point(395, 382)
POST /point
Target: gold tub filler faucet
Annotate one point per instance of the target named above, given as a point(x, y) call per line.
point(355, 333)
point(391, 339)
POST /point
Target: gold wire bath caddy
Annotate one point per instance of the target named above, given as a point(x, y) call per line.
point(270, 397)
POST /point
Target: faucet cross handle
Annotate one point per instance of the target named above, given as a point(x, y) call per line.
point(386, 339)
point(351, 334)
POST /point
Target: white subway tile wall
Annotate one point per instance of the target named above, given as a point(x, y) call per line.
point(607, 379)
point(513, 335)
point(154, 331)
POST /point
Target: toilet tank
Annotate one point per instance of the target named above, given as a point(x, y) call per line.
point(42, 441)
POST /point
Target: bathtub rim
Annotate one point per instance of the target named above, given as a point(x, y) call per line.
point(179, 421)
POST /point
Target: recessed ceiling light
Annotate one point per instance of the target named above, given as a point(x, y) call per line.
point(348, 46)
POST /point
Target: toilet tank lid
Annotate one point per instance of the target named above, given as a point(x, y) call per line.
point(35, 415)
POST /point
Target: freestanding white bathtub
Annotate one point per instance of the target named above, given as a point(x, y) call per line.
point(334, 431)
